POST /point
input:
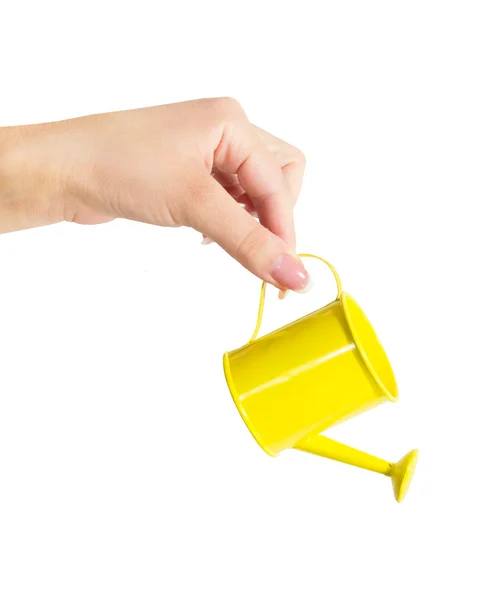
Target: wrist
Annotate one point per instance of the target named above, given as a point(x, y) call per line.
point(30, 193)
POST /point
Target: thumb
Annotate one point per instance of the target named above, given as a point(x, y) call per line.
point(263, 253)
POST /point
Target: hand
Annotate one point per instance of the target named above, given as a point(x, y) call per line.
point(200, 164)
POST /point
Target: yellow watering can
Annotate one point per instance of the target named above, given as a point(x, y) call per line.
point(297, 381)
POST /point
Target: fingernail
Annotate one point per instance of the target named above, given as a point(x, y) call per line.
point(291, 274)
point(206, 240)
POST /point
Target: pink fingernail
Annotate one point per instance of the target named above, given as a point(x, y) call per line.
point(290, 273)
point(206, 240)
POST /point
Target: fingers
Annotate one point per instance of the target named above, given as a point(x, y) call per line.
point(243, 200)
point(230, 183)
point(254, 246)
point(291, 159)
point(242, 152)
point(294, 174)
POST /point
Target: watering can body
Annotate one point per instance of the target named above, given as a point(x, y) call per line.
point(299, 380)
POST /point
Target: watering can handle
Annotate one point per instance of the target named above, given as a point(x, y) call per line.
point(264, 285)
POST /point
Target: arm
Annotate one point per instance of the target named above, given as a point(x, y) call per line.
point(200, 164)
point(29, 195)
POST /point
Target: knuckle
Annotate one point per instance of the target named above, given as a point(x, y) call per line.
point(303, 159)
point(299, 157)
point(227, 107)
point(231, 105)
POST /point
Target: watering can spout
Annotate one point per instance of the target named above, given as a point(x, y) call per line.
point(400, 473)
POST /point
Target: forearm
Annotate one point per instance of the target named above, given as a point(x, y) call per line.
point(30, 195)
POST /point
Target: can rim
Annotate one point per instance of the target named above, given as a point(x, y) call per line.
point(360, 347)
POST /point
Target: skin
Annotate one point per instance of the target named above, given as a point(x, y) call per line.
point(199, 164)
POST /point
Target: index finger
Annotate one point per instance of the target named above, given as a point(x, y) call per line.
point(242, 152)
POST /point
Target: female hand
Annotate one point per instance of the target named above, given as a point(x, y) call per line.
point(200, 164)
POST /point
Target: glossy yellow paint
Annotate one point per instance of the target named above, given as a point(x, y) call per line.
point(324, 368)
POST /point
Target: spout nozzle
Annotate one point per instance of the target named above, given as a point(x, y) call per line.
point(401, 474)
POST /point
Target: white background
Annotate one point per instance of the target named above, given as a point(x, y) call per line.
point(125, 470)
